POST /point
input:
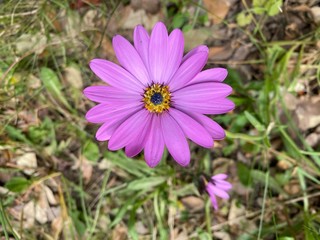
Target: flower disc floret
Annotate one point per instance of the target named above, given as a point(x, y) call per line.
point(157, 98)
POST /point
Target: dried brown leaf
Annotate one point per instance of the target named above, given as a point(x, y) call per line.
point(120, 233)
point(73, 77)
point(217, 9)
point(192, 203)
point(28, 162)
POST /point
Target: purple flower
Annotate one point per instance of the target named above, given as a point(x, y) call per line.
point(157, 97)
point(217, 186)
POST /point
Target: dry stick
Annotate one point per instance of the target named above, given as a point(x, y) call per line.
point(171, 210)
point(20, 14)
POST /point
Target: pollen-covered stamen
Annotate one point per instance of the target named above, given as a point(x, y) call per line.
point(156, 98)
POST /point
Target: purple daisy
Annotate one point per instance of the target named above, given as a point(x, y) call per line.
point(217, 186)
point(157, 97)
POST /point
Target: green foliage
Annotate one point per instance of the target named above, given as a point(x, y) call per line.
point(145, 183)
point(244, 19)
point(53, 86)
point(259, 7)
point(17, 134)
point(255, 122)
point(244, 174)
point(248, 177)
point(78, 222)
point(18, 184)
point(91, 151)
point(181, 18)
point(271, 7)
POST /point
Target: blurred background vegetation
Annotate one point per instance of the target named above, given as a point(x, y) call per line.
point(58, 182)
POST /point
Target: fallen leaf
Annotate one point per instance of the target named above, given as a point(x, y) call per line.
point(236, 210)
point(85, 167)
point(119, 233)
point(192, 203)
point(308, 113)
point(90, 19)
point(27, 161)
point(72, 23)
point(41, 214)
point(27, 42)
point(72, 75)
point(49, 194)
point(217, 9)
point(42, 205)
point(140, 228)
point(290, 100)
point(136, 4)
point(242, 52)
point(195, 37)
point(29, 215)
point(316, 14)
point(56, 227)
point(220, 53)
point(284, 164)
point(132, 18)
point(87, 170)
point(313, 139)
point(33, 81)
point(222, 235)
point(293, 187)
point(151, 6)
point(53, 213)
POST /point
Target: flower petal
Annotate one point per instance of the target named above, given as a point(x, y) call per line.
point(129, 130)
point(97, 114)
point(202, 92)
point(130, 59)
point(213, 201)
point(192, 129)
point(154, 146)
point(214, 129)
point(214, 106)
point(175, 140)
point(115, 118)
point(135, 146)
point(210, 75)
point(176, 47)
point(201, 48)
point(111, 95)
point(191, 67)
point(115, 76)
point(223, 185)
point(217, 191)
point(107, 129)
point(104, 112)
point(141, 43)
point(220, 176)
point(158, 52)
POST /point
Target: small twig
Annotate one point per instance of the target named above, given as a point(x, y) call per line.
point(237, 62)
point(19, 14)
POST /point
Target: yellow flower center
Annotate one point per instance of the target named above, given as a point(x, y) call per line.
point(156, 98)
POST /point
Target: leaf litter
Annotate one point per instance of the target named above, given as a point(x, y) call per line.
point(81, 35)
